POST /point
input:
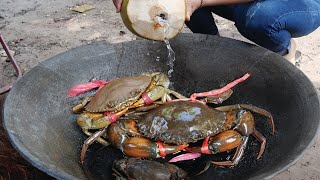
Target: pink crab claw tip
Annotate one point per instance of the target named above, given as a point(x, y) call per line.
point(184, 157)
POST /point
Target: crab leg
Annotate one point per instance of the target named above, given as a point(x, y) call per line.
point(221, 142)
point(147, 108)
point(250, 108)
point(89, 141)
point(149, 97)
point(89, 120)
point(145, 148)
point(243, 126)
point(237, 156)
point(240, 150)
point(92, 121)
point(80, 107)
point(142, 109)
point(120, 135)
point(156, 93)
point(176, 94)
point(99, 139)
point(262, 140)
point(96, 121)
point(218, 99)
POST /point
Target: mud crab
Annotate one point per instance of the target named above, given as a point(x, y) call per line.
point(117, 96)
point(172, 126)
point(132, 168)
point(128, 92)
point(222, 128)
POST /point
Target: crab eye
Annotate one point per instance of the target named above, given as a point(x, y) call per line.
point(240, 113)
point(194, 134)
point(166, 135)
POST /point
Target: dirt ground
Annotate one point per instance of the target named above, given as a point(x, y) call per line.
point(37, 30)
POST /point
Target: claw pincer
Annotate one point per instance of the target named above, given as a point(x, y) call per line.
point(125, 136)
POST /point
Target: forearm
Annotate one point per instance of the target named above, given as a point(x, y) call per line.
point(223, 2)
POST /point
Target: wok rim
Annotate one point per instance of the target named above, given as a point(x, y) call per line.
point(299, 156)
point(24, 152)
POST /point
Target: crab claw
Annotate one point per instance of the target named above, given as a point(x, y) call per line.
point(82, 88)
point(184, 157)
point(113, 117)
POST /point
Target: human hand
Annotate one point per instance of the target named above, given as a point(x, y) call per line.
point(117, 4)
point(192, 5)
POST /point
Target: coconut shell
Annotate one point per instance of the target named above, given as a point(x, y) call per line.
point(156, 20)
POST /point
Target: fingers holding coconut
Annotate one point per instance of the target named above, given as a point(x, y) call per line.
point(117, 4)
point(192, 5)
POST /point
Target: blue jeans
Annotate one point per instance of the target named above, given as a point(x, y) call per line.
point(268, 23)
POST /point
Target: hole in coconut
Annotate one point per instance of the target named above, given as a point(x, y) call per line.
point(162, 19)
point(163, 16)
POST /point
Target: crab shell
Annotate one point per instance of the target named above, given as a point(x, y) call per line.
point(147, 169)
point(121, 93)
point(182, 122)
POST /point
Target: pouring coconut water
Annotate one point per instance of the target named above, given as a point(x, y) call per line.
point(158, 20)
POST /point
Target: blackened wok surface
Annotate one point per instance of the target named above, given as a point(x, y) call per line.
point(40, 126)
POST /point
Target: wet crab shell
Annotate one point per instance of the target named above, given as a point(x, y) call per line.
point(182, 122)
point(118, 94)
point(141, 169)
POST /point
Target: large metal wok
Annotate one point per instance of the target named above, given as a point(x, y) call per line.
point(41, 127)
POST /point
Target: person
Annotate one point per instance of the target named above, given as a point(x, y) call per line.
point(269, 23)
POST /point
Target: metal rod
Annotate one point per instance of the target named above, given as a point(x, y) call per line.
point(14, 63)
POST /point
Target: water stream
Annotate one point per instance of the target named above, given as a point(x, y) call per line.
point(171, 55)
